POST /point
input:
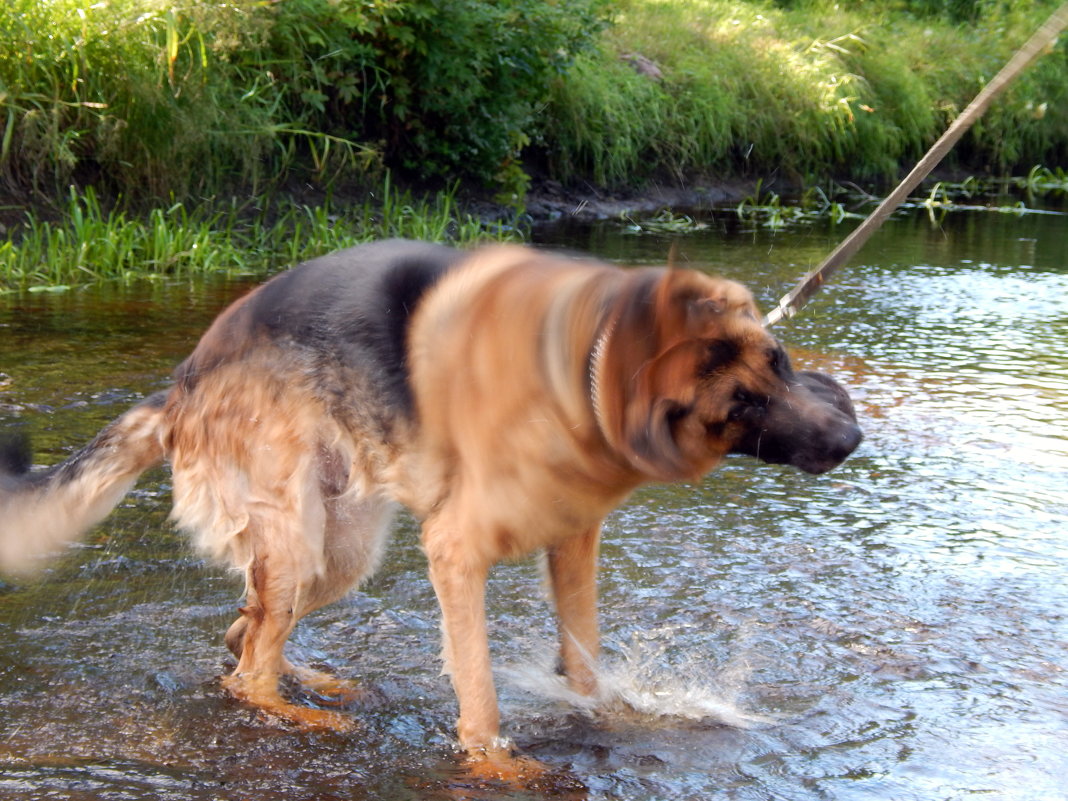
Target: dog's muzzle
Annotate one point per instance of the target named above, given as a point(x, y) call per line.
point(813, 428)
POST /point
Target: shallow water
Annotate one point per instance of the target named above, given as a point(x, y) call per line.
point(892, 630)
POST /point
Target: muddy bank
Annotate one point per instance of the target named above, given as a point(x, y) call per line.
point(550, 201)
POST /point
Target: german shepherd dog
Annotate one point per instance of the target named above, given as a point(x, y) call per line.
point(509, 397)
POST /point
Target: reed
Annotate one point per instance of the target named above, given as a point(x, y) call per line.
point(91, 243)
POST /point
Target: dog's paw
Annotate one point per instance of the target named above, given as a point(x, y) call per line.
point(504, 766)
point(327, 689)
point(308, 718)
point(261, 692)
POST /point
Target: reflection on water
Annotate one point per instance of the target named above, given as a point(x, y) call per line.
point(894, 629)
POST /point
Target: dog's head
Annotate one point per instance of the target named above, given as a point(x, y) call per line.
point(690, 375)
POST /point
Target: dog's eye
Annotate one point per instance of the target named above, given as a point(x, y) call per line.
point(745, 402)
point(742, 402)
point(744, 397)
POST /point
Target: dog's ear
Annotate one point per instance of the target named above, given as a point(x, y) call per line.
point(662, 397)
point(666, 337)
point(688, 303)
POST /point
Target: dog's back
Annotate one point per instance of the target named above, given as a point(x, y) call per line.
point(307, 336)
point(346, 310)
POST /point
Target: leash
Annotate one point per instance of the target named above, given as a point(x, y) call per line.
point(1040, 42)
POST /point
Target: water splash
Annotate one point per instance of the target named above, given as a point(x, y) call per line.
point(638, 682)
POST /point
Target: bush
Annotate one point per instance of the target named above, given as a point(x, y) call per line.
point(165, 97)
point(449, 87)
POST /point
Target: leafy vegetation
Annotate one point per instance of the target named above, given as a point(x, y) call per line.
point(91, 243)
point(192, 97)
point(179, 119)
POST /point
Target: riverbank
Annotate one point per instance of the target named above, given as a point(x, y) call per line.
point(85, 243)
point(248, 131)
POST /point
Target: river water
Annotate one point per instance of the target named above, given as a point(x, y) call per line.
point(892, 630)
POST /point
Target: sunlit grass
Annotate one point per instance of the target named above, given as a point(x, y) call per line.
point(814, 90)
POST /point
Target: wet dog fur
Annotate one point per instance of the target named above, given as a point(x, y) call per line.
point(510, 398)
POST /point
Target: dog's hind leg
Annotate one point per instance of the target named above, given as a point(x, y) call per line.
point(253, 473)
point(356, 532)
point(273, 600)
point(573, 576)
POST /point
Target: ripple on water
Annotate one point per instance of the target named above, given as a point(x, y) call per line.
point(895, 629)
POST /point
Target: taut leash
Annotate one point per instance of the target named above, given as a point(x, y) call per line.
point(1042, 40)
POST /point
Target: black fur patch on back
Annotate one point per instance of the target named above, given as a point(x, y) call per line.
point(349, 309)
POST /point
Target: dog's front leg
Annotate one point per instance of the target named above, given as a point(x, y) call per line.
point(458, 572)
point(573, 575)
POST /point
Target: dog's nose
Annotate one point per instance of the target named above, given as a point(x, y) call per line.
point(851, 437)
point(830, 448)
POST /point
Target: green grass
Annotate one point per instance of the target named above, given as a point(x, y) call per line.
point(153, 98)
point(154, 109)
point(90, 243)
point(805, 92)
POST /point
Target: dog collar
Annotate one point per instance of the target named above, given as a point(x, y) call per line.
point(597, 356)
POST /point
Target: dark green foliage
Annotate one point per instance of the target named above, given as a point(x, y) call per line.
point(449, 87)
point(152, 99)
point(953, 10)
point(177, 100)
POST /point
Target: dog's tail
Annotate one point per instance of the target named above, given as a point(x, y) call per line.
point(42, 511)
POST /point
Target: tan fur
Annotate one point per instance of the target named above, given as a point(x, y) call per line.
point(545, 390)
point(523, 464)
